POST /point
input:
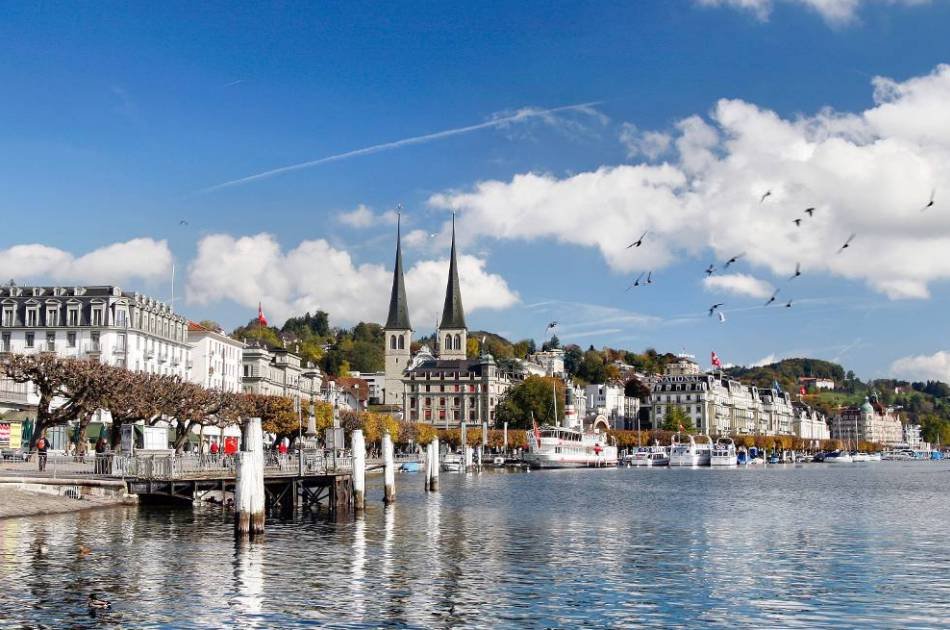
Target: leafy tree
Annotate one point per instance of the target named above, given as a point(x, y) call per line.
point(592, 368)
point(573, 356)
point(676, 417)
point(635, 388)
point(308, 325)
point(471, 348)
point(551, 344)
point(210, 324)
point(533, 396)
point(252, 332)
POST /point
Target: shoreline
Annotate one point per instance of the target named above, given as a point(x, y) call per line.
point(33, 496)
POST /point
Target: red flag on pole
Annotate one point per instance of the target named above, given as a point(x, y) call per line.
point(260, 315)
point(715, 361)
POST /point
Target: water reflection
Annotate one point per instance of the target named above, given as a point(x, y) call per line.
point(794, 547)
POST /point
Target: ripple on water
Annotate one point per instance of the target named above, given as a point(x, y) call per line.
point(791, 547)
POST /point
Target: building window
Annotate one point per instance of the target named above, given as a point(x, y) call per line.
point(29, 339)
point(8, 316)
point(392, 342)
point(71, 339)
point(52, 317)
point(458, 342)
point(6, 342)
point(51, 341)
point(97, 317)
point(120, 318)
point(402, 342)
point(32, 315)
point(72, 317)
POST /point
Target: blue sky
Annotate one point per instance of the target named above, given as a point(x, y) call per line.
point(120, 118)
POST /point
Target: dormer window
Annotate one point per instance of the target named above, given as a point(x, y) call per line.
point(72, 316)
point(8, 316)
point(97, 316)
point(32, 316)
point(52, 315)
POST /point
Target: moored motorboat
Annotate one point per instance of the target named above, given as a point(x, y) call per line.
point(691, 453)
point(839, 457)
point(452, 462)
point(724, 453)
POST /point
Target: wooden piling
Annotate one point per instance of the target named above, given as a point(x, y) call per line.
point(434, 466)
point(469, 464)
point(389, 470)
point(427, 466)
point(359, 470)
point(249, 487)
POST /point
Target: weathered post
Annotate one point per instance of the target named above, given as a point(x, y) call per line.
point(389, 470)
point(249, 486)
point(359, 470)
point(434, 465)
point(427, 466)
point(504, 438)
point(468, 458)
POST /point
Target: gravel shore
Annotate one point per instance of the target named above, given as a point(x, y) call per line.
point(15, 500)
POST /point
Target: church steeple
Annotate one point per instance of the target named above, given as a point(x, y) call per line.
point(453, 315)
point(398, 305)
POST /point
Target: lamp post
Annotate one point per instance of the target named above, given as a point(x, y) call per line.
point(310, 375)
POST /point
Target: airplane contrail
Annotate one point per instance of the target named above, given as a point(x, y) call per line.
point(520, 115)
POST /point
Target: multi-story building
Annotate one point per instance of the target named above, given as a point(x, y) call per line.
point(97, 322)
point(551, 362)
point(278, 372)
point(809, 424)
point(444, 388)
point(376, 384)
point(216, 359)
point(609, 400)
point(871, 422)
point(818, 383)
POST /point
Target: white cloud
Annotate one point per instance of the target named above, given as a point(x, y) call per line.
point(768, 359)
point(314, 275)
point(651, 144)
point(137, 259)
point(739, 284)
point(867, 173)
point(836, 12)
point(363, 217)
point(924, 367)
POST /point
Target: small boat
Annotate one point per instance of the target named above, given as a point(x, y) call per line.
point(774, 459)
point(640, 457)
point(838, 457)
point(742, 456)
point(690, 453)
point(724, 453)
point(860, 458)
point(452, 462)
point(410, 467)
point(498, 461)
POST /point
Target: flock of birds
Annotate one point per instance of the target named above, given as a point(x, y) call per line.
point(715, 309)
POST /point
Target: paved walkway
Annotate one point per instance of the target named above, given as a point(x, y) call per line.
point(17, 501)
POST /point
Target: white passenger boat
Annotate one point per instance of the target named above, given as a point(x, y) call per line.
point(452, 462)
point(690, 453)
point(648, 456)
point(724, 453)
point(563, 447)
point(841, 457)
point(860, 457)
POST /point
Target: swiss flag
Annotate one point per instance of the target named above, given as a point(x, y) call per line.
point(715, 360)
point(260, 315)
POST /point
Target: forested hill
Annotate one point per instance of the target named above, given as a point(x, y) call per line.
point(788, 371)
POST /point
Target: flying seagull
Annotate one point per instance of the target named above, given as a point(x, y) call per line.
point(650, 277)
point(636, 282)
point(712, 309)
point(810, 212)
point(768, 193)
point(798, 271)
point(788, 304)
point(552, 325)
point(931, 202)
point(638, 242)
point(722, 317)
point(182, 222)
point(847, 243)
point(710, 270)
point(772, 299)
point(797, 222)
point(732, 260)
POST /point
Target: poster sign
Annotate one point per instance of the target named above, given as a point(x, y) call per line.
point(4, 434)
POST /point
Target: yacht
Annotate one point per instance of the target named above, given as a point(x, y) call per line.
point(564, 447)
point(841, 457)
point(689, 454)
point(453, 462)
point(860, 457)
point(649, 456)
point(724, 453)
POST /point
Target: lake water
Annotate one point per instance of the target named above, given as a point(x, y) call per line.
point(802, 546)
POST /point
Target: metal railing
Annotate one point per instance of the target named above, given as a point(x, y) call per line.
point(55, 466)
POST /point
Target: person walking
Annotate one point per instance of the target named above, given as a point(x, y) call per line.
point(42, 447)
point(101, 447)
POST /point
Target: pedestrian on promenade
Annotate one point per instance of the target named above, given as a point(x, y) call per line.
point(101, 447)
point(214, 448)
point(42, 446)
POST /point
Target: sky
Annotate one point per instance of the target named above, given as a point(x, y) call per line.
point(258, 153)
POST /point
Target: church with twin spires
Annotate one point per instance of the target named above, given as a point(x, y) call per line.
point(442, 387)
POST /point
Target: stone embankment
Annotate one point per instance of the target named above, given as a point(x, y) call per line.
point(35, 496)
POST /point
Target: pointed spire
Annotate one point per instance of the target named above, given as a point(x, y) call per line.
point(453, 315)
point(398, 305)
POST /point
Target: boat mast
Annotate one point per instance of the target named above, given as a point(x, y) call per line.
point(554, 392)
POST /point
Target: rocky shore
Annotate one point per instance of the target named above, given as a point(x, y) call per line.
point(35, 497)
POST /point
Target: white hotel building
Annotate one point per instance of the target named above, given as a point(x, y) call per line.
point(216, 359)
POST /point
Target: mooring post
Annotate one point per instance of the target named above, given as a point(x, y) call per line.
point(434, 466)
point(389, 470)
point(359, 470)
point(427, 466)
point(468, 458)
point(249, 487)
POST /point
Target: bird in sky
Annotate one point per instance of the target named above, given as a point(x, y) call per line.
point(710, 270)
point(650, 277)
point(847, 243)
point(552, 325)
point(768, 193)
point(798, 271)
point(788, 304)
point(712, 309)
point(182, 222)
point(931, 202)
point(732, 260)
point(636, 282)
point(722, 317)
point(638, 242)
point(810, 212)
point(797, 222)
point(772, 299)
